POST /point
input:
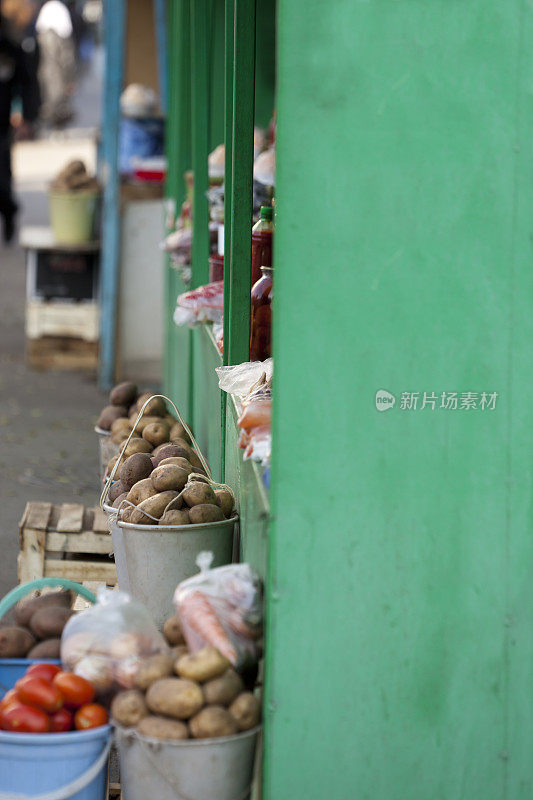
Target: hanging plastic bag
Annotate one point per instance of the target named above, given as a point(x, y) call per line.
point(222, 608)
point(108, 642)
point(241, 378)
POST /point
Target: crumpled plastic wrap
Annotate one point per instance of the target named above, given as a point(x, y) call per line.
point(204, 304)
point(240, 378)
point(222, 608)
point(108, 642)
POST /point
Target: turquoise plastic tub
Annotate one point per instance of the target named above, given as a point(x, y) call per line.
point(11, 669)
point(55, 766)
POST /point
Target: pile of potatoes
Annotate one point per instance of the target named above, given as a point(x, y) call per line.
point(169, 475)
point(182, 695)
point(39, 623)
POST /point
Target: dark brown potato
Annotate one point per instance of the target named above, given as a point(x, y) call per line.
point(115, 490)
point(48, 623)
point(172, 631)
point(26, 608)
point(123, 394)
point(171, 451)
point(15, 642)
point(50, 648)
point(136, 468)
point(108, 415)
point(195, 461)
point(205, 512)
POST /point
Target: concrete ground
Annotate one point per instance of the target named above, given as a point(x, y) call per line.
point(48, 450)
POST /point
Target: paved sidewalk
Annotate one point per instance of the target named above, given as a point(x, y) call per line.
point(48, 450)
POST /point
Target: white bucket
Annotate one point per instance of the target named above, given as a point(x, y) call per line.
point(118, 549)
point(194, 769)
point(158, 558)
point(106, 449)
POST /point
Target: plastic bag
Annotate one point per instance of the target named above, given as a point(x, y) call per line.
point(222, 608)
point(205, 304)
point(218, 335)
point(257, 444)
point(108, 642)
point(240, 378)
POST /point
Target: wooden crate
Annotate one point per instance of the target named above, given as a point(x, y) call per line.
point(56, 352)
point(66, 541)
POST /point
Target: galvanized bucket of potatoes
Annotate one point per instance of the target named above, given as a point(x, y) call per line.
point(164, 509)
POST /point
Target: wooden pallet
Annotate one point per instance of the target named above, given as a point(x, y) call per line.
point(61, 352)
point(67, 541)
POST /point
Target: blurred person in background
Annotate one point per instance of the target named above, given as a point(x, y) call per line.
point(57, 63)
point(20, 17)
point(16, 80)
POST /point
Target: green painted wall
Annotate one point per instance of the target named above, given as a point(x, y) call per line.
point(400, 604)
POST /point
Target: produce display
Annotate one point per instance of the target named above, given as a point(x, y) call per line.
point(182, 695)
point(39, 623)
point(48, 700)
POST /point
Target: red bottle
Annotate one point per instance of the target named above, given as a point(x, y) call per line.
point(262, 235)
point(261, 316)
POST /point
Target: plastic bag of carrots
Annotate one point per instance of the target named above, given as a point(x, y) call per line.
point(223, 608)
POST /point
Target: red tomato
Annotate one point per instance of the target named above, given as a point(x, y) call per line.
point(39, 693)
point(44, 671)
point(90, 715)
point(76, 690)
point(24, 719)
point(9, 698)
point(61, 721)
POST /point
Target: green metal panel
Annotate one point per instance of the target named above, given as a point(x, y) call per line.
point(399, 648)
point(200, 138)
point(177, 363)
point(207, 397)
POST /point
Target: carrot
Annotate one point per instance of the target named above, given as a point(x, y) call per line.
point(196, 611)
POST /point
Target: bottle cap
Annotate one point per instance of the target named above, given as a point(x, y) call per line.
point(266, 212)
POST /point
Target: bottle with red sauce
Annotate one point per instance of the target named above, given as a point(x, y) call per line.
point(261, 316)
point(262, 235)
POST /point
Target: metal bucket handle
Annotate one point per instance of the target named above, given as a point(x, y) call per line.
point(21, 591)
point(147, 749)
point(72, 788)
point(107, 486)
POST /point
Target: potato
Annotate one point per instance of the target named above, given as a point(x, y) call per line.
point(118, 501)
point(169, 476)
point(120, 436)
point(155, 408)
point(196, 476)
point(135, 468)
point(108, 415)
point(154, 506)
point(195, 461)
point(177, 431)
point(137, 445)
point(128, 708)
point(26, 608)
point(223, 690)
point(143, 422)
point(111, 463)
point(142, 490)
point(205, 512)
point(202, 666)
point(15, 642)
point(199, 493)
point(170, 419)
point(156, 433)
point(182, 443)
point(225, 501)
point(122, 423)
point(246, 711)
point(152, 669)
point(174, 697)
point(175, 517)
point(212, 722)
point(48, 623)
point(96, 669)
point(172, 630)
point(178, 462)
point(50, 648)
point(125, 514)
point(76, 647)
point(179, 651)
point(115, 490)
point(171, 451)
point(123, 394)
point(161, 728)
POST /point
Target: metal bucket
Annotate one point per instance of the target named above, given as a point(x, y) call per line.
point(106, 449)
point(194, 769)
point(158, 558)
point(118, 549)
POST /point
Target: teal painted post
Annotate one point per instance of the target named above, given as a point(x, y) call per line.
point(237, 345)
point(114, 36)
point(228, 151)
point(161, 26)
point(400, 597)
point(200, 140)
